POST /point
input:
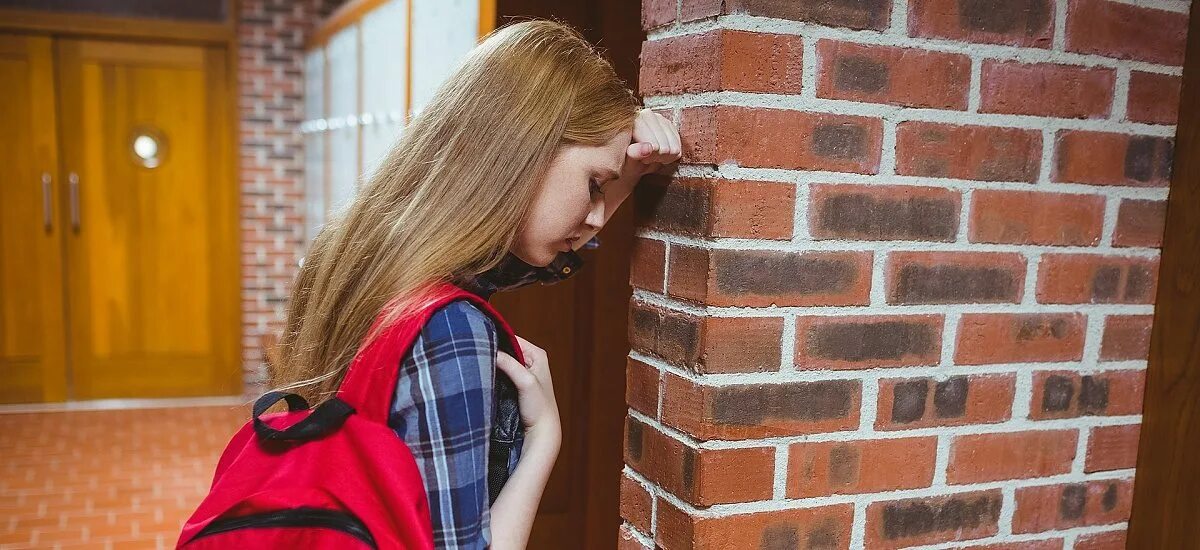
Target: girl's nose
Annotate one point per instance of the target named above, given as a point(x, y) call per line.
point(595, 217)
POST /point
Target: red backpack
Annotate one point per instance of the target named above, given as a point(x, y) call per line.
point(331, 477)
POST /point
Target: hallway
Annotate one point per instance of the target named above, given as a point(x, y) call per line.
point(107, 478)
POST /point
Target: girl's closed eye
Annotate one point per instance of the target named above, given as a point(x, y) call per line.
point(595, 187)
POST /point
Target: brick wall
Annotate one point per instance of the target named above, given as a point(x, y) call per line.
point(271, 84)
point(899, 291)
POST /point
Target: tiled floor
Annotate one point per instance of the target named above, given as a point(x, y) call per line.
point(107, 479)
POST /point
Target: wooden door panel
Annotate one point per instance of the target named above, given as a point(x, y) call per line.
point(31, 309)
point(149, 288)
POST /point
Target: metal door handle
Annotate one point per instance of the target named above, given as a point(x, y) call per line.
point(47, 204)
point(73, 179)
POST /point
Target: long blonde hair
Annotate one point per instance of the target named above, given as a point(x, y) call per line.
point(449, 198)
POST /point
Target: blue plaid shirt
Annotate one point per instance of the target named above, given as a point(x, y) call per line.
point(457, 414)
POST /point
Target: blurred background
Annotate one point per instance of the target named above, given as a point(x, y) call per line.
point(164, 167)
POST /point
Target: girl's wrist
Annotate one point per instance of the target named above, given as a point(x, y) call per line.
point(543, 440)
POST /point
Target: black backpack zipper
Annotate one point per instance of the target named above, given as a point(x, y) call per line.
point(295, 517)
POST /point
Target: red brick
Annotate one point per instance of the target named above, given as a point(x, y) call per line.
point(758, 278)
point(702, 477)
point(897, 76)
point(1046, 544)
point(1140, 223)
point(1126, 31)
point(707, 344)
point(1112, 448)
point(693, 10)
point(1095, 279)
point(864, 342)
point(883, 212)
point(641, 387)
point(1100, 158)
point(777, 138)
point(1126, 337)
point(649, 264)
point(656, 13)
point(852, 467)
point(1066, 394)
point(1046, 89)
point(985, 338)
point(1153, 98)
point(858, 14)
point(967, 152)
point(1108, 540)
point(929, 520)
point(748, 411)
point(1053, 507)
point(707, 207)
point(955, 277)
point(1014, 22)
point(1019, 455)
point(907, 403)
point(636, 504)
point(722, 60)
point(626, 540)
point(821, 527)
point(1036, 217)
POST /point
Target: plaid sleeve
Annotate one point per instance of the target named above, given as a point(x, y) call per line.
point(442, 410)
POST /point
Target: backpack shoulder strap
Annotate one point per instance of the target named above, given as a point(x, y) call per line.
point(373, 373)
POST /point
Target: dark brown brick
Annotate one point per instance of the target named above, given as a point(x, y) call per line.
point(967, 152)
point(708, 207)
point(1054, 507)
point(855, 14)
point(641, 387)
point(669, 335)
point(929, 520)
point(760, 410)
point(1014, 22)
point(907, 403)
point(887, 212)
point(862, 342)
point(759, 278)
point(897, 76)
point(1067, 394)
point(1100, 158)
point(955, 277)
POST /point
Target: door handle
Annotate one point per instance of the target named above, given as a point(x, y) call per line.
point(47, 204)
point(73, 180)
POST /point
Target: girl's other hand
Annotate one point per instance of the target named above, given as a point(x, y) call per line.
point(535, 394)
point(655, 142)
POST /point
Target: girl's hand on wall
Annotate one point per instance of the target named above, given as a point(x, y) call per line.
point(655, 142)
point(535, 395)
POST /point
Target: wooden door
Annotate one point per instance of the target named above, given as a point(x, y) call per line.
point(1167, 488)
point(151, 249)
point(31, 307)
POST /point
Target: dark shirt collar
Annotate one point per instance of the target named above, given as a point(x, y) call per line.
point(513, 273)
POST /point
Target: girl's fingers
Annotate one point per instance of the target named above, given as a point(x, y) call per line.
point(519, 373)
point(640, 150)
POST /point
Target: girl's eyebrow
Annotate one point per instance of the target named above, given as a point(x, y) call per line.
point(610, 173)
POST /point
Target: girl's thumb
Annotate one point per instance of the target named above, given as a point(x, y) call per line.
point(641, 150)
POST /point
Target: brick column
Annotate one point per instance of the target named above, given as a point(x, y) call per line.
point(899, 291)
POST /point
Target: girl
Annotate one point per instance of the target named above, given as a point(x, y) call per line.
point(520, 159)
